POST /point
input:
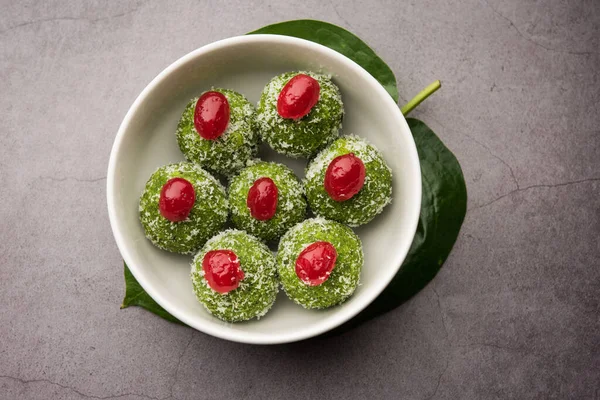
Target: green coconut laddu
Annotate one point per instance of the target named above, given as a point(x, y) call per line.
point(290, 203)
point(228, 153)
point(374, 195)
point(301, 137)
point(206, 218)
point(342, 279)
point(257, 289)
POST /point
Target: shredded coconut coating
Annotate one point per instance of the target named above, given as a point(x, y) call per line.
point(255, 294)
point(291, 204)
point(372, 198)
point(345, 275)
point(228, 153)
point(207, 217)
point(303, 137)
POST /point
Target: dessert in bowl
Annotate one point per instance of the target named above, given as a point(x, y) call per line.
point(146, 141)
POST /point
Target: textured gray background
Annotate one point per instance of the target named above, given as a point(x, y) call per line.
point(513, 314)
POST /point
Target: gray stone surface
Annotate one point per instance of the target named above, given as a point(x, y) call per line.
point(513, 314)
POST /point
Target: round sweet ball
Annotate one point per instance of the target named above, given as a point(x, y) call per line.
point(266, 199)
point(234, 276)
point(349, 182)
point(181, 207)
point(319, 263)
point(217, 131)
point(307, 126)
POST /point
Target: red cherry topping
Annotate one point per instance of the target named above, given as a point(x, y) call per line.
point(298, 97)
point(315, 263)
point(262, 199)
point(222, 270)
point(211, 115)
point(177, 198)
point(345, 176)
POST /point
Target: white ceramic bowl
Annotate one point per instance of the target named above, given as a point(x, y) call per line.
point(146, 140)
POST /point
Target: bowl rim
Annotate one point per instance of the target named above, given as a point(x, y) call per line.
point(333, 320)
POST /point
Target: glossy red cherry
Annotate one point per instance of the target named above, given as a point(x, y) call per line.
point(177, 198)
point(211, 115)
point(298, 97)
point(315, 263)
point(345, 176)
point(222, 270)
point(262, 199)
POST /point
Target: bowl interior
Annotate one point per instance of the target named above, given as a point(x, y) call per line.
point(146, 140)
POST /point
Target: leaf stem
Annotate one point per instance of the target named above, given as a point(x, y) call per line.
point(418, 99)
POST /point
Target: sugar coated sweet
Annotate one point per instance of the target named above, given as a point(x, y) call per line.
point(319, 263)
point(289, 207)
point(375, 192)
point(206, 217)
point(256, 286)
point(230, 151)
point(301, 137)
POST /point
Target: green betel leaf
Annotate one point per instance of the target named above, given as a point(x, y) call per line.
point(340, 40)
point(135, 295)
point(443, 209)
